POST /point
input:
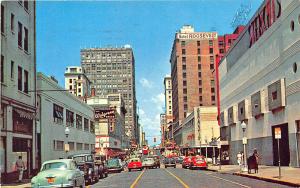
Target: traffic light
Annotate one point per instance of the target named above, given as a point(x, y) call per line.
point(154, 139)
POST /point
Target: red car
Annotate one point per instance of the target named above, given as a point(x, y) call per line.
point(135, 163)
point(198, 162)
point(186, 162)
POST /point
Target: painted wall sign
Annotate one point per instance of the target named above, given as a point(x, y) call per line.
point(103, 114)
point(268, 14)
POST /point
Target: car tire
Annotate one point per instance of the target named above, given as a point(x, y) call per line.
point(166, 167)
point(106, 174)
point(101, 175)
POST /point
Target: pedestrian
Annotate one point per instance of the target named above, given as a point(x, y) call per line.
point(20, 165)
point(239, 158)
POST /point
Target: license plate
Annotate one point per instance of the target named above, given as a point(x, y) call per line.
point(50, 180)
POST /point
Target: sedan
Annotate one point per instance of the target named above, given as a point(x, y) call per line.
point(198, 162)
point(134, 163)
point(186, 162)
point(59, 173)
point(169, 162)
point(148, 163)
point(114, 165)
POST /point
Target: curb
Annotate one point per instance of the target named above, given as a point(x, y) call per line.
point(268, 180)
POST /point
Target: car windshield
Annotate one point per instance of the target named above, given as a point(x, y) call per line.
point(134, 160)
point(113, 162)
point(79, 159)
point(148, 159)
point(54, 165)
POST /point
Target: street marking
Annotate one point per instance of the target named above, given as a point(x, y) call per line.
point(229, 181)
point(184, 185)
point(137, 179)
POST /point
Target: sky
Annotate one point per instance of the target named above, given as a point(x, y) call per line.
point(65, 27)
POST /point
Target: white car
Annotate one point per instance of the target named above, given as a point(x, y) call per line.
point(148, 163)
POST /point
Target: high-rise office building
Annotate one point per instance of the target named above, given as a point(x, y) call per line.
point(192, 72)
point(111, 70)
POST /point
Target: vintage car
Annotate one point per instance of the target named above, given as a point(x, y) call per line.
point(148, 162)
point(134, 163)
point(186, 162)
point(59, 173)
point(103, 171)
point(86, 163)
point(198, 162)
point(156, 160)
point(169, 162)
point(114, 165)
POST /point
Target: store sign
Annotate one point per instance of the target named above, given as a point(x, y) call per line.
point(104, 114)
point(198, 36)
point(268, 14)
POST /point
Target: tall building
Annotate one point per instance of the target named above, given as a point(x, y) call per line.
point(192, 72)
point(168, 108)
point(112, 70)
point(163, 129)
point(17, 83)
point(260, 86)
point(77, 82)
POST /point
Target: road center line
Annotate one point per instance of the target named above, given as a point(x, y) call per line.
point(184, 185)
point(233, 182)
point(137, 180)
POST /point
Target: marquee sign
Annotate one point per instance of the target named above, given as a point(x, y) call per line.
point(267, 15)
point(104, 114)
point(197, 35)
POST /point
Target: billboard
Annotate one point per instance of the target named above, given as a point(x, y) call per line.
point(104, 114)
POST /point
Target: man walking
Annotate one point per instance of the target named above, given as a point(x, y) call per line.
point(20, 168)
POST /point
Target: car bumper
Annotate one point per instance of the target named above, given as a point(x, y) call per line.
point(170, 164)
point(48, 186)
point(114, 169)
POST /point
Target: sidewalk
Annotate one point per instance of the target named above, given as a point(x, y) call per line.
point(290, 175)
point(25, 183)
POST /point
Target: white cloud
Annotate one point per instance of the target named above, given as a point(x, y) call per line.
point(141, 112)
point(146, 83)
point(159, 101)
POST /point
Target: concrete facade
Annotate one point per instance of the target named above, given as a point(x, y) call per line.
point(52, 122)
point(17, 86)
point(259, 84)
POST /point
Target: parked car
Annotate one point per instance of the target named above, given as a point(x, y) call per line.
point(156, 160)
point(86, 163)
point(59, 173)
point(135, 163)
point(114, 165)
point(148, 162)
point(179, 159)
point(186, 162)
point(169, 162)
point(198, 162)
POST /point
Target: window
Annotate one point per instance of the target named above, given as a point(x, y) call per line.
point(92, 127)
point(20, 35)
point(26, 40)
point(183, 51)
point(211, 50)
point(198, 51)
point(86, 146)
point(26, 4)
point(25, 81)
point(59, 145)
point(199, 59)
point(185, 99)
point(199, 74)
point(70, 87)
point(184, 91)
point(199, 66)
point(2, 19)
point(69, 118)
point(200, 82)
point(78, 146)
point(210, 42)
point(212, 90)
point(211, 59)
point(184, 59)
point(200, 90)
point(58, 114)
point(184, 83)
point(221, 51)
point(200, 98)
point(2, 69)
point(183, 67)
point(70, 81)
point(86, 124)
point(213, 98)
point(185, 107)
point(211, 66)
point(20, 78)
point(79, 90)
point(71, 146)
point(274, 95)
point(198, 43)
point(78, 121)
point(12, 22)
point(292, 25)
point(182, 43)
point(184, 75)
point(12, 70)
point(212, 83)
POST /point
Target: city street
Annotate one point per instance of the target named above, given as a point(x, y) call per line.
point(178, 177)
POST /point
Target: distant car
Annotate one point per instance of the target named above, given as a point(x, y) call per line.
point(135, 163)
point(156, 160)
point(86, 163)
point(169, 162)
point(198, 162)
point(114, 165)
point(179, 159)
point(186, 162)
point(148, 162)
point(59, 173)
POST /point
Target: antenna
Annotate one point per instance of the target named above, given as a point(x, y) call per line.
point(242, 14)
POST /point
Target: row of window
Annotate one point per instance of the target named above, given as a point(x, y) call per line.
point(211, 59)
point(59, 146)
point(210, 42)
point(23, 80)
point(71, 119)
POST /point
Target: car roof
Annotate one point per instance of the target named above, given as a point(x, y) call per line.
point(58, 160)
point(80, 155)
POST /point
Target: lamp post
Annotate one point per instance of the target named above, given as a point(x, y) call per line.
point(206, 148)
point(67, 132)
point(244, 125)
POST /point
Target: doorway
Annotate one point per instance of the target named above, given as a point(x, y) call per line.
point(283, 146)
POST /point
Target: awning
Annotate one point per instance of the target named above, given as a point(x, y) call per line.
point(26, 115)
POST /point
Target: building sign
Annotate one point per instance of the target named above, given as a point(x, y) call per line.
point(267, 15)
point(197, 36)
point(104, 114)
point(277, 131)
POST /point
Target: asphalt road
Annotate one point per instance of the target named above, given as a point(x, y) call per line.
point(178, 178)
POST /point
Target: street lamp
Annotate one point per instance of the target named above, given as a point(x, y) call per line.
point(244, 125)
point(67, 132)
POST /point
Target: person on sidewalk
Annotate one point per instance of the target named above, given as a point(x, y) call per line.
point(239, 158)
point(20, 165)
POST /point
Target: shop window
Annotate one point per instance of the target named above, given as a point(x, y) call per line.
point(58, 115)
point(86, 146)
point(78, 121)
point(78, 146)
point(69, 118)
point(86, 124)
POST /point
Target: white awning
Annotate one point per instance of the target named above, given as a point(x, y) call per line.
point(26, 115)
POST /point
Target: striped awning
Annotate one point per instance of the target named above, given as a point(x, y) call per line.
point(26, 115)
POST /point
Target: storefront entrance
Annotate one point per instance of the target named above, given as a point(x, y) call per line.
point(283, 146)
